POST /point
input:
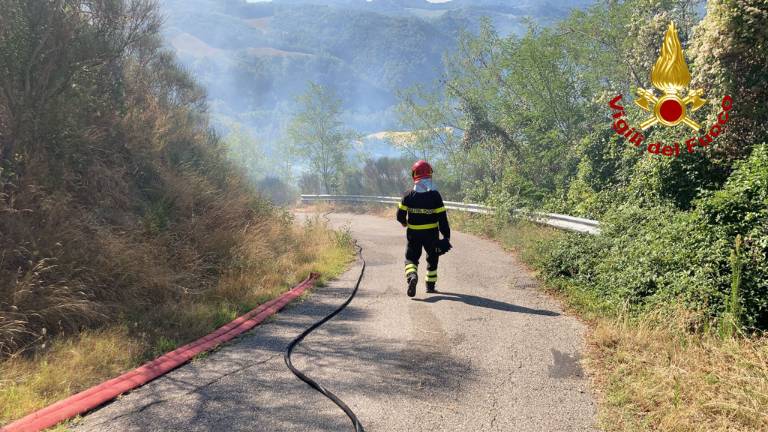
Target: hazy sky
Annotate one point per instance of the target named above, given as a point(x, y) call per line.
point(430, 1)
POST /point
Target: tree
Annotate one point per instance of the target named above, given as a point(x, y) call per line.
point(109, 172)
point(518, 103)
point(318, 136)
point(731, 59)
point(309, 183)
point(386, 176)
point(243, 148)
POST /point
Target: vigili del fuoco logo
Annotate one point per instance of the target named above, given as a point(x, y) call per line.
point(671, 77)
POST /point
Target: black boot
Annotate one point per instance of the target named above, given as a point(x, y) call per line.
point(431, 288)
point(413, 279)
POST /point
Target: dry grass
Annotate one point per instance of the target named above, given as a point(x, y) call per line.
point(655, 374)
point(375, 209)
point(258, 272)
point(69, 365)
point(524, 239)
point(125, 230)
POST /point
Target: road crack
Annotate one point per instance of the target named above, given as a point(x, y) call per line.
point(194, 390)
point(495, 398)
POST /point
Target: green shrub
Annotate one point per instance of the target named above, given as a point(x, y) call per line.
point(653, 256)
point(645, 257)
point(741, 208)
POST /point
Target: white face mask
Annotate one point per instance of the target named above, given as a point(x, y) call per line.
point(423, 185)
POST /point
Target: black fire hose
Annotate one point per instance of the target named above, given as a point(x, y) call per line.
point(312, 383)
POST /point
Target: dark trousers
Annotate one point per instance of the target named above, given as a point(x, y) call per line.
point(418, 240)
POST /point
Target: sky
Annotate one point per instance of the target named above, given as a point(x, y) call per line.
point(265, 1)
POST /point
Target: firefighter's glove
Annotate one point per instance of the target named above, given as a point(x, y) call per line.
point(442, 246)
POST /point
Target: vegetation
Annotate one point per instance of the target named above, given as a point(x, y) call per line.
point(128, 227)
point(62, 365)
point(126, 230)
point(656, 374)
point(255, 58)
point(656, 370)
point(524, 122)
point(318, 136)
point(535, 132)
point(675, 286)
point(383, 176)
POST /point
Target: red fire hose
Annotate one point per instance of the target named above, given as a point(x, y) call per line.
point(95, 396)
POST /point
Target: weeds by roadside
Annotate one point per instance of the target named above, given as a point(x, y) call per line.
point(126, 229)
point(376, 209)
point(654, 373)
point(69, 364)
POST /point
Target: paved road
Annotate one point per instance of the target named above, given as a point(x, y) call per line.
point(487, 353)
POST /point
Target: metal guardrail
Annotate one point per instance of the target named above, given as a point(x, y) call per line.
point(570, 223)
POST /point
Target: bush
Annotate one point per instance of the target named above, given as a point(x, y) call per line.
point(645, 257)
point(116, 199)
point(656, 255)
point(277, 191)
point(741, 208)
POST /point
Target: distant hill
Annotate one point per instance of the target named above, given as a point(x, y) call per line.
point(254, 58)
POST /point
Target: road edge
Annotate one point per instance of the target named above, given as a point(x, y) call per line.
point(99, 394)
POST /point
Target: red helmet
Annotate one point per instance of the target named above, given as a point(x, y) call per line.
point(421, 169)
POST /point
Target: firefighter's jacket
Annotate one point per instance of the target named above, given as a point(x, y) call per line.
point(424, 211)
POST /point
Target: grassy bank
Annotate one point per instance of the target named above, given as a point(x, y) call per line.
point(656, 370)
point(127, 227)
point(67, 364)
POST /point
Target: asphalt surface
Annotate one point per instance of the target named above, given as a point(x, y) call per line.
point(489, 352)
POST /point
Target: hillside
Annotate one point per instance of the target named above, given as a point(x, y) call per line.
point(255, 58)
point(124, 232)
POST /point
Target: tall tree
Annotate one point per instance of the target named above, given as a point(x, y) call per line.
point(318, 136)
point(731, 58)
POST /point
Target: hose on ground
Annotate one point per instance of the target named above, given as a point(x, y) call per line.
point(312, 383)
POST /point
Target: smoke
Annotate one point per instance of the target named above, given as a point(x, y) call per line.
point(256, 58)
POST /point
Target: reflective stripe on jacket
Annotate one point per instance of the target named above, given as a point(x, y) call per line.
point(424, 211)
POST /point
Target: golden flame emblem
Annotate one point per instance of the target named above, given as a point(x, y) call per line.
point(670, 75)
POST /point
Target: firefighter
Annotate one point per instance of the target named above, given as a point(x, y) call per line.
point(423, 214)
